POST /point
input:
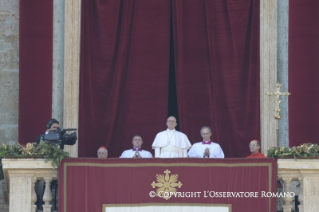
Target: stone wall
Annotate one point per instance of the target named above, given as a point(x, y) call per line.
point(9, 71)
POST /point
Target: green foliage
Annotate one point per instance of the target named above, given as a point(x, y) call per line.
point(49, 152)
point(305, 150)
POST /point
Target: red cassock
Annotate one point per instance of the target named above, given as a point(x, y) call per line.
point(257, 155)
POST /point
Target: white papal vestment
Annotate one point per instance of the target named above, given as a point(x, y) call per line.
point(171, 144)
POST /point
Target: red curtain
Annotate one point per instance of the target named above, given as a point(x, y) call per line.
point(35, 67)
point(216, 46)
point(124, 73)
point(125, 61)
point(303, 72)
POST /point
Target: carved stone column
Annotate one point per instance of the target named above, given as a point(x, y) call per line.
point(47, 196)
point(287, 206)
point(268, 72)
point(71, 69)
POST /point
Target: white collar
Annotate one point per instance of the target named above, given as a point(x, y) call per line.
point(171, 130)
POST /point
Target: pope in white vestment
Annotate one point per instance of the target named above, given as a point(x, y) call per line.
point(212, 149)
point(171, 143)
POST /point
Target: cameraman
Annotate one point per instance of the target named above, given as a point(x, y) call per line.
point(53, 126)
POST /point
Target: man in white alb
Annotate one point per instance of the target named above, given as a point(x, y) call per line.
point(171, 143)
point(206, 148)
point(136, 151)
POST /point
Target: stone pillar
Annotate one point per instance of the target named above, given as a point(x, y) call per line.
point(282, 67)
point(268, 72)
point(47, 196)
point(20, 191)
point(287, 200)
point(311, 193)
point(9, 71)
point(58, 60)
point(71, 69)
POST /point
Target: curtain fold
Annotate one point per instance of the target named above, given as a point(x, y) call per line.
point(123, 73)
point(217, 71)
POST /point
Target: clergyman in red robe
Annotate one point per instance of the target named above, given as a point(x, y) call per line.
point(254, 149)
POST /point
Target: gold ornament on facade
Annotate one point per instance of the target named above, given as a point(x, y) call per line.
point(167, 184)
point(278, 94)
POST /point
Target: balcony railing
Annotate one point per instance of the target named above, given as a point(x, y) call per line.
point(21, 175)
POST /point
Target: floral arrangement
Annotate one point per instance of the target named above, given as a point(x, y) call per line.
point(305, 150)
point(32, 150)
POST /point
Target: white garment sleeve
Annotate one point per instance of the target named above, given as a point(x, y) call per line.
point(217, 153)
point(157, 152)
point(123, 155)
point(185, 153)
point(192, 152)
point(149, 155)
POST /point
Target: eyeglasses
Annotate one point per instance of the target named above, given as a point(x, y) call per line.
point(205, 133)
point(170, 121)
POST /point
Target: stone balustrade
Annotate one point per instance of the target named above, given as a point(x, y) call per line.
point(306, 172)
point(21, 175)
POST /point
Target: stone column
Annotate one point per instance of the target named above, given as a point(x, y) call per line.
point(58, 60)
point(287, 206)
point(9, 71)
point(20, 191)
point(311, 192)
point(282, 67)
point(47, 196)
point(71, 69)
point(268, 72)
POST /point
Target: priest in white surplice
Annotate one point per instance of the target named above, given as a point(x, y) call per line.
point(136, 151)
point(171, 143)
point(206, 148)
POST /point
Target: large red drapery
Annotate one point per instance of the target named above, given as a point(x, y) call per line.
point(217, 71)
point(86, 184)
point(35, 68)
point(125, 50)
point(124, 73)
point(303, 72)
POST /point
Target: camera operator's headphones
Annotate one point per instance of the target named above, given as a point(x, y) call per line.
point(50, 122)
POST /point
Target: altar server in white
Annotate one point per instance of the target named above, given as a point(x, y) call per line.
point(171, 143)
point(136, 151)
point(206, 148)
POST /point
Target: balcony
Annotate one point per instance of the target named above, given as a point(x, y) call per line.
point(22, 174)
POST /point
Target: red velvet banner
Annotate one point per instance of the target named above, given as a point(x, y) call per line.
point(303, 72)
point(35, 67)
point(85, 184)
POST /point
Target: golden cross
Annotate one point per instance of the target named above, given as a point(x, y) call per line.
point(278, 94)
